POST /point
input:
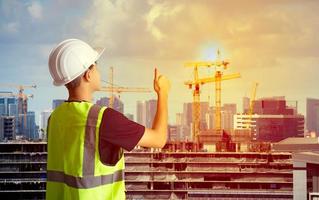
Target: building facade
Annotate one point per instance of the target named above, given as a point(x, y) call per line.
point(272, 120)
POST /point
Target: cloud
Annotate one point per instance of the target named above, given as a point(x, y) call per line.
point(270, 42)
point(35, 10)
point(11, 27)
point(159, 11)
point(178, 29)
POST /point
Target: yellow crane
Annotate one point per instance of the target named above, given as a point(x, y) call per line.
point(217, 78)
point(22, 99)
point(196, 95)
point(220, 66)
point(119, 89)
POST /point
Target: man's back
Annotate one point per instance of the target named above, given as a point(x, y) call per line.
point(73, 156)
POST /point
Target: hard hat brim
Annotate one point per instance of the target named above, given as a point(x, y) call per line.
point(99, 51)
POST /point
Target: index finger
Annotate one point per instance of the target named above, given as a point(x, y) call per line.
point(155, 73)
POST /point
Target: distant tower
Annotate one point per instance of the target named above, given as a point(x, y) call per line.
point(151, 107)
point(44, 116)
point(246, 105)
point(141, 112)
point(312, 120)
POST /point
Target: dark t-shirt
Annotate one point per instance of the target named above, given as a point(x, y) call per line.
point(116, 132)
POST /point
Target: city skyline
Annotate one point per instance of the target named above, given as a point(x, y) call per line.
point(273, 43)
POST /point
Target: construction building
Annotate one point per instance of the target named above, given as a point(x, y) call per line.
point(177, 173)
point(180, 171)
point(22, 170)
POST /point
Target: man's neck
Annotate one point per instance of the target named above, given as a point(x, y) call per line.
point(80, 94)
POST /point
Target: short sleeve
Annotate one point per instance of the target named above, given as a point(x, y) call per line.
point(118, 130)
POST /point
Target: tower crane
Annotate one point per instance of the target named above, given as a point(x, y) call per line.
point(119, 89)
point(220, 65)
point(196, 95)
point(217, 78)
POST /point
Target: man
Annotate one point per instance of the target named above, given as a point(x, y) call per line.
point(85, 141)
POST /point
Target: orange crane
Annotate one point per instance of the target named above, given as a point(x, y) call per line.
point(113, 88)
point(217, 78)
point(22, 99)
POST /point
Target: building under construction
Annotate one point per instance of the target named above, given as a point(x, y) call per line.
point(179, 171)
point(22, 170)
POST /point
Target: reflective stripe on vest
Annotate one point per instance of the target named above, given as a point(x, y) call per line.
point(88, 180)
point(84, 182)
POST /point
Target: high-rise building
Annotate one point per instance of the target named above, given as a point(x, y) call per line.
point(312, 119)
point(188, 114)
point(44, 116)
point(246, 105)
point(151, 107)
point(8, 106)
point(227, 113)
point(27, 127)
point(272, 120)
point(227, 116)
point(117, 103)
point(179, 119)
point(145, 112)
point(56, 103)
point(141, 112)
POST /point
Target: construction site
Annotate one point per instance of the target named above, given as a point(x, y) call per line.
point(166, 174)
point(214, 164)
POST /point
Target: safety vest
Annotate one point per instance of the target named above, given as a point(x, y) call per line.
point(74, 169)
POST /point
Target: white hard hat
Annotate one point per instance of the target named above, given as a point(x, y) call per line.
point(70, 59)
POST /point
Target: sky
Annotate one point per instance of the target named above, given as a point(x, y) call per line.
point(273, 42)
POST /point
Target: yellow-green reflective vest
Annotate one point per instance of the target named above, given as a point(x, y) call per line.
point(74, 169)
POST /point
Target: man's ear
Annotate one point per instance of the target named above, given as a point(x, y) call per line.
point(87, 75)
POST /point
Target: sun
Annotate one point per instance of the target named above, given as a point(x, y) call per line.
point(208, 51)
